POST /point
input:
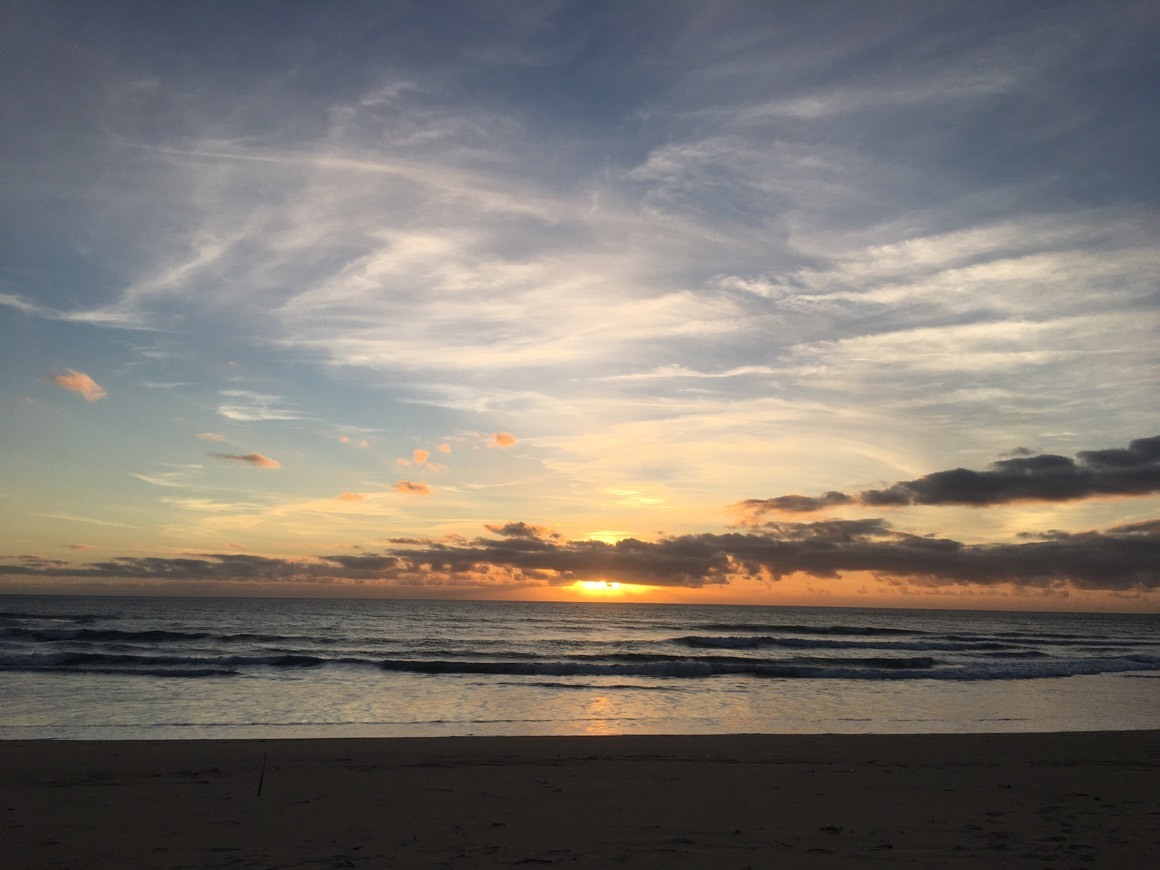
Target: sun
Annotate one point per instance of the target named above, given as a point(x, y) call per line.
point(606, 589)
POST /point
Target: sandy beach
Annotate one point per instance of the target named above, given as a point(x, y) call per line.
point(1003, 800)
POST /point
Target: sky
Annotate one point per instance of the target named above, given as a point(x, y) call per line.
point(739, 302)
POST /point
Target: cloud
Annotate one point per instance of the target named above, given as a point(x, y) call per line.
point(246, 406)
point(176, 479)
point(35, 561)
point(420, 457)
point(503, 440)
point(492, 244)
point(255, 459)
point(351, 496)
point(210, 436)
point(796, 504)
point(410, 487)
point(11, 300)
point(79, 383)
point(444, 448)
point(1122, 559)
point(209, 506)
point(522, 530)
point(1046, 477)
point(802, 242)
point(73, 518)
point(673, 372)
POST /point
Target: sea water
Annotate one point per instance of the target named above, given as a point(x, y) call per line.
point(182, 668)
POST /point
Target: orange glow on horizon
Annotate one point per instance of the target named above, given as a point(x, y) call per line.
point(608, 589)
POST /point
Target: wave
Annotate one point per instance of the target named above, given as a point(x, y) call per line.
point(667, 668)
point(151, 635)
point(600, 687)
point(104, 662)
point(759, 641)
point(82, 618)
point(855, 668)
point(845, 630)
point(1028, 639)
point(90, 635)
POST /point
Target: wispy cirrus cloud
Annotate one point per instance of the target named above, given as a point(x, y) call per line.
point(899, 95)
point(19, 303)
point(179, 476)
point(674, 372)
point(135, 306)
point(246, 406)
point(211, 506)
point(255, 459)
point(73, 518)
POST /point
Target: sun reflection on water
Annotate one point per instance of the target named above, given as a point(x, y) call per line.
point(600, 716)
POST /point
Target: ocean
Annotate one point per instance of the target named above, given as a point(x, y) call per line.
point(168, 668)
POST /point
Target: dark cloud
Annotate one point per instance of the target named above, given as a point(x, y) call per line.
point(33, 561)
point(797, 504)
point(1124, 558)
point(521, 530)
point(1130, 471)
point(1046, 477)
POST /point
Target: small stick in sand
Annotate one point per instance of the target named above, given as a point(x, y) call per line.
point(262, 775)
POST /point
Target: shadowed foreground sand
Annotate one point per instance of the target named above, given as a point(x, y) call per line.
point(1010, 800)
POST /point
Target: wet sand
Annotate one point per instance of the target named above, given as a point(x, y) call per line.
point(999, 800)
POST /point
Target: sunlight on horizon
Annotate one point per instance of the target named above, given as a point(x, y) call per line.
point(609, 589)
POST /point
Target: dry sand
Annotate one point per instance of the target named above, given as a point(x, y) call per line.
point(1003, 800)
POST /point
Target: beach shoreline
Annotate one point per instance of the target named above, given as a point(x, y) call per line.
point(1064, 799)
